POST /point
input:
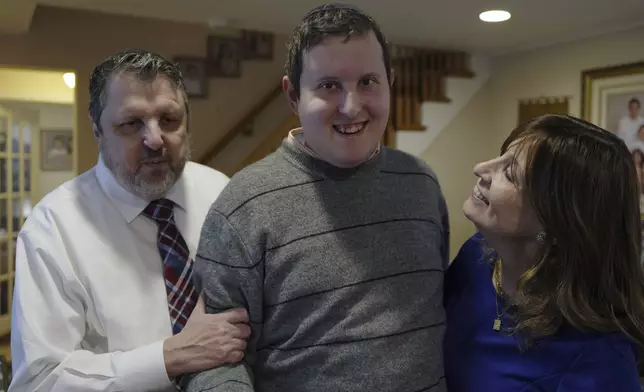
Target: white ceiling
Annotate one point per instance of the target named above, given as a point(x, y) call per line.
point(440, 23)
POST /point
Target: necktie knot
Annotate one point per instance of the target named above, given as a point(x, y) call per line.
point(160, 210)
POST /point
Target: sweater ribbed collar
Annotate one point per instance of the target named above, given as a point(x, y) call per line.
point(305, 159)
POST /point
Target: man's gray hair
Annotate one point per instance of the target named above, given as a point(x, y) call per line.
point(143, 64)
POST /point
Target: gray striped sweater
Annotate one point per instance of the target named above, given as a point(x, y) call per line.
point(341, 271)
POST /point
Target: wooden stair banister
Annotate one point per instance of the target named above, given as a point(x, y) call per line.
point(421, 77)
point(241, 125)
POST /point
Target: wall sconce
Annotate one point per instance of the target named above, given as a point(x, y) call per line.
point(70, 79)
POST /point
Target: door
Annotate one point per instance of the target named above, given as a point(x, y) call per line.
point(15, 199)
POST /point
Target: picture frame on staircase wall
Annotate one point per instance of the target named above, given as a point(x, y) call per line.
point(195, 78)
point(223, 58)
point(257, 45)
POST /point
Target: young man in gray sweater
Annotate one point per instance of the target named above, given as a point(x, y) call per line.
point(335, 244)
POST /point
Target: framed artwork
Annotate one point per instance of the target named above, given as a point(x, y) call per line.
point(56, 149)
point(257, 45)
point(224, 55)
point(531, 108)
point(612, 98)
point(195, 77)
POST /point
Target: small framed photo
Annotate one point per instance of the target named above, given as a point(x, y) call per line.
point(195, 77)
point(224, 55)
point(257, 45)
point(56, 150)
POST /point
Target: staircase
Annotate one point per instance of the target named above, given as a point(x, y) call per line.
point(436, 116)
point(421, 76)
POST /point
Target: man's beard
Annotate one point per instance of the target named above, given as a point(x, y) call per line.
point(136, 183)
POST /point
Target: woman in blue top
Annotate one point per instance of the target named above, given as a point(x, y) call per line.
point(549, 296)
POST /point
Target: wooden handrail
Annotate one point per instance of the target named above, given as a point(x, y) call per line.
point(420, 77)
point(240, 125)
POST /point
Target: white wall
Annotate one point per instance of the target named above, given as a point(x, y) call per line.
point(478, 130)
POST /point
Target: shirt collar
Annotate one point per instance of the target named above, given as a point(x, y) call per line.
point(128, 204)
point(296, 136)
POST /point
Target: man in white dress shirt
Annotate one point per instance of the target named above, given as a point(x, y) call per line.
point(103, 293)
point(629, 125)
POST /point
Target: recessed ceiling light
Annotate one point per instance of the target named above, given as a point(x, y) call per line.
point(494, 16)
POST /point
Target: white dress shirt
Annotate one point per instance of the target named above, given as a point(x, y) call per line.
point(627, 129)
point(90, 311)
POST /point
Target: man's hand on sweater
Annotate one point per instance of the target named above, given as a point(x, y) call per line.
point(207, 341)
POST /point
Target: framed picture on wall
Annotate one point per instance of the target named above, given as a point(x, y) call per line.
point(612, 97)
point(195, 77)
point(535, 107)
point(224, 55)
point(56, 150)
point(257, 45)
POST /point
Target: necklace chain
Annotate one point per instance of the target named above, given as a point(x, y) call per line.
point(498, 292)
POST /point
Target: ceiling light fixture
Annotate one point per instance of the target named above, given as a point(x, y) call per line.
point(70, 79)
point(494, 16)
point(216, 22)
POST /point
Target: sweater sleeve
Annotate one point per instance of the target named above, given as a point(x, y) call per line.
point(228, 277)
point(602, 367)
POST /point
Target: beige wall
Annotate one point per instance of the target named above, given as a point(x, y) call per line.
point(478, 130)
point(556, 71)
point(453, 154)
point(34, 86)
point(73, 40)
point(265, 124)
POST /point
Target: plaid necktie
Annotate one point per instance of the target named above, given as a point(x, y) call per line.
point(177, 264)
